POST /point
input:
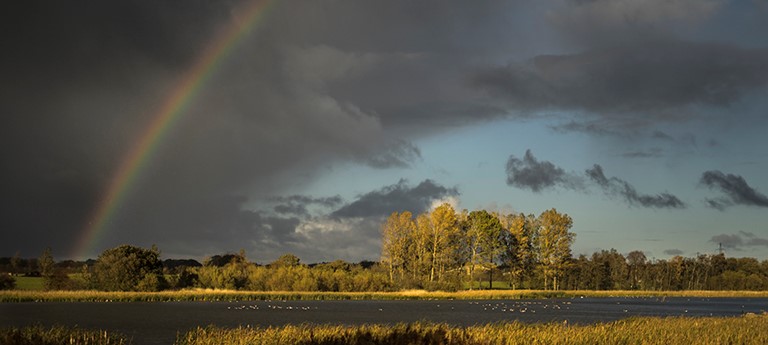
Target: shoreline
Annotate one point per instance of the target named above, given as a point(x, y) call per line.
point(10, 296)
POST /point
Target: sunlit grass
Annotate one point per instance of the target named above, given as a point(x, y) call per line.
point(39, 335)
point(29, 283)
point(749, 329)
point(236, 295)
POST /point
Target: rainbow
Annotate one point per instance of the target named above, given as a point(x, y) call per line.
point(169, 113)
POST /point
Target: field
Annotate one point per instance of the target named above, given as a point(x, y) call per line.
point(233, 295)
point(748, 329)
point(29, 283)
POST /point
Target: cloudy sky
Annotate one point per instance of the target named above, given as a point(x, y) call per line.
point(645, 121)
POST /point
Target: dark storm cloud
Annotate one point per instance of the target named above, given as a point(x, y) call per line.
point(301, 92)
point(657, 77)
point(673, 252)
point(614, 186)
point(537, 175)
point(735, 187)
point(397, 197)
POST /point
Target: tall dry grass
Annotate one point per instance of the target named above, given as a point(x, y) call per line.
point(672, 331)
point(39, 335)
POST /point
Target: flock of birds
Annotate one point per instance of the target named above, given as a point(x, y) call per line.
point(524, 306)
point(270, 306)
point(501, 306)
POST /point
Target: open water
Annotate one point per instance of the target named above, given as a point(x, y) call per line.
point(159, 322)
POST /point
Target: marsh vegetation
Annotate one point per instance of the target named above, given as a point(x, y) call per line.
point(748, 329)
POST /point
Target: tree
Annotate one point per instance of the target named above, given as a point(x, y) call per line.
point(286, 260)
point(46, 263)
point(483, 235)
point(16, 263)
point(444, 227)
point(636, 262)
point(53, 278)
point(397, 234)
point(553, 242)
point(518, 253)
point(7, 282)
point(420, 250)
point(125, 267)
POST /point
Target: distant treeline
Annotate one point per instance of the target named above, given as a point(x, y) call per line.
point(439, 250)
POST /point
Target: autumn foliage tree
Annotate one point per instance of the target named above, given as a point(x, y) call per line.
point(397, 241)
point(553, 244)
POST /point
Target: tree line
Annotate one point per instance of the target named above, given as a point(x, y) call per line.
point(437, 250)
point(445, 249)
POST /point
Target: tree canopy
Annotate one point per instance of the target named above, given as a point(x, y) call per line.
point(129, 268)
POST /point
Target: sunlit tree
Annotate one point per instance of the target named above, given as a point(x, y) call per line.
point(129, 268)
point(518, 251)
point(397, 234)
point(483, 238)
point(553, 242)
point(444, 229)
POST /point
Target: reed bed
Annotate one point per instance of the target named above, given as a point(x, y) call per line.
point(749, 329)
point(39, 335)
point(237, 295)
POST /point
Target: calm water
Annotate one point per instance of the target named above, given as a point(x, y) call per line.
point(159, 322)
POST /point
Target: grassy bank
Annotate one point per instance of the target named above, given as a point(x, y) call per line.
point(748, 329)
point(231, 295)
point(38, 335)
point(683, 331)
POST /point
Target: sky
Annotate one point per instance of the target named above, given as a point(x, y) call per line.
point(300, 125)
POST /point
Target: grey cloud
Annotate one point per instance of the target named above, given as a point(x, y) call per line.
point(297, 204)
point(396, 197)
point(592, 128)
point(650, 153)
point(617, 187)
point(684, 139)
point(739, 241)
point(350, 232)
point(661, 135)
point(609, 20)
point(673, 252)
point(400, 155)
point(728, 241)
point(537, 175)
point(647, 79)
point(735, 187)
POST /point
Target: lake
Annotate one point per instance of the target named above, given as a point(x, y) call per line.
point(159, 322)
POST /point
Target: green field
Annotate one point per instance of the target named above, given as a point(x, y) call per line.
point(29, 283)
point(238, 295)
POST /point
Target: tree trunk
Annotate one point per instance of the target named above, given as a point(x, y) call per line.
point(490, 279)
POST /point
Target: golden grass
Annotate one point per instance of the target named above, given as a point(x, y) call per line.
point(749, 329)
point(233, 295)
point(38, 335)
